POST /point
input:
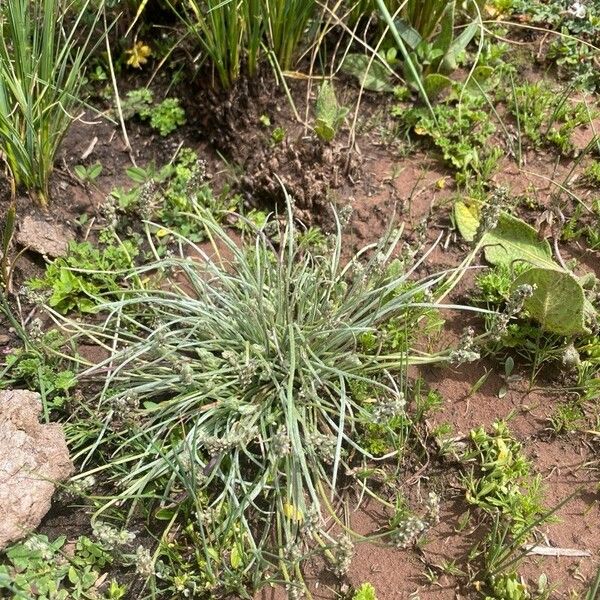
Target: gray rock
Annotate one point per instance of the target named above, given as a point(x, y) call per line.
point(33, 458)
point(45, 238)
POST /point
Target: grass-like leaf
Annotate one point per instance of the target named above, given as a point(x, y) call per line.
point(41, 60)
point(239, 385)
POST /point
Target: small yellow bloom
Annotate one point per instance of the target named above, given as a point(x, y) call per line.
point(293, 513)
point(138, 55)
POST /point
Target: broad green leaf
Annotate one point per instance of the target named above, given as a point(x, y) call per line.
point(375, 78)
point(450, 62)
point(80, 171)
point(558, 301)
point(137, 174)
point(512, 239)
point(324, 131)
point(443, 41)
point(73, 575)
point(329, 114)
point(95, 170)
point(466, 217)
point(480, 80)
point(435, 83)
point(165, 514)
point(410, 36)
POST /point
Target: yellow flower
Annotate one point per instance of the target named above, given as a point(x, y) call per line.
point(293, 513)
point(138, 55)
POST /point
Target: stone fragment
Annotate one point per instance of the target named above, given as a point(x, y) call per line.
point(33, 458)
point(44, 237)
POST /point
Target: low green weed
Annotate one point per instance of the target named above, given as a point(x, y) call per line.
point(393, 435)
point(494, 285)
point(500, 484)
point(576, 25)
point(37, 367)
point(461, 132)
point(566, 417)
point(365, 592)
point(500, 479)
point(509, 586)
point(137, 101)
point(44, 569)
point(592, 174)
point(547, 117)
point(575, 60)
point(80, 280)
point(583, 224)
point(170, 197)
point(165, 117)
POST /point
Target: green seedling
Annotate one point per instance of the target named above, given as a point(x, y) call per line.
point(278, 135)
point(88, 174)
point(328, 112)
point(365, 592)
point(508, 377)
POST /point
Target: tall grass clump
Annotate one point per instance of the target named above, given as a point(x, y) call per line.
point(229, 33)
point(42, 56)
point(239, 388)
point(232, 34)
point(286, 22)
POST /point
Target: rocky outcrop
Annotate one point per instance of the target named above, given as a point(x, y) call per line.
point(33, 459)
